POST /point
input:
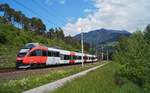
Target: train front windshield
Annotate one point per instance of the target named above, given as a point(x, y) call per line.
point(21, 54)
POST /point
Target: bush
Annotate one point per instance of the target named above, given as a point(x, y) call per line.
point(3, 37)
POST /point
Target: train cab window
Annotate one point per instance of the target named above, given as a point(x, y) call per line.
point(36, 53)
point(33, 53)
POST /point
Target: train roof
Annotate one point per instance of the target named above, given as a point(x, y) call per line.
point(37, 45)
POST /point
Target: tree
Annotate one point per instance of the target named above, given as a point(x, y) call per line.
point(50, 33)
point(37, 25)
point(6, 9)
point(61, 33)
point(147, 33)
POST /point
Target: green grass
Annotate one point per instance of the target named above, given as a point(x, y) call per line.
point(17, 86)
point(100, 81)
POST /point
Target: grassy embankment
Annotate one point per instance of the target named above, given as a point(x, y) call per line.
point(17, 86)
point(102, 80)
point(12, 39)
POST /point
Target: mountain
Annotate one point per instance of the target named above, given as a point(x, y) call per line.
point(102, 36)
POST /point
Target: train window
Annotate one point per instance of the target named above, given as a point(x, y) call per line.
point(53, 54)
point(71, 57)
point(36, 53)
point(79, 57)
point(85, 57)
point(49, 53)
point(57, 54)
point(44, 53)
point(74, 57)
point(67, 57)
point(33, 53)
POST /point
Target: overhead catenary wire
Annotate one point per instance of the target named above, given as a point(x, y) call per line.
point(46, 19)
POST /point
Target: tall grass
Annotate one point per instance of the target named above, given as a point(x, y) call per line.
point(100, 81)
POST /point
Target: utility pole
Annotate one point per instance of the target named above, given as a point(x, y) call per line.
point(82, 50)
point(97, 47)
point(102, 54)
point(82, 47)
point(107, 55)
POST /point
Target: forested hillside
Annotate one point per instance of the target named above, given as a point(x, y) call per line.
point(12, 39)
point(102, 36)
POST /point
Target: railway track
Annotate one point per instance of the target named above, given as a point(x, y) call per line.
point(7, 70)
point(13, 74)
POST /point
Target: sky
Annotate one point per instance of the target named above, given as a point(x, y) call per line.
point(74, 16)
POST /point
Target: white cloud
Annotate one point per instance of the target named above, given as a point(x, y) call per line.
point(113, 14)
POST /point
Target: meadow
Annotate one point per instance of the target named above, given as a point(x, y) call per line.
point(102, 80)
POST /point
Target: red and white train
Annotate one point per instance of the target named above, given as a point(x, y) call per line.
point(34, 54)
